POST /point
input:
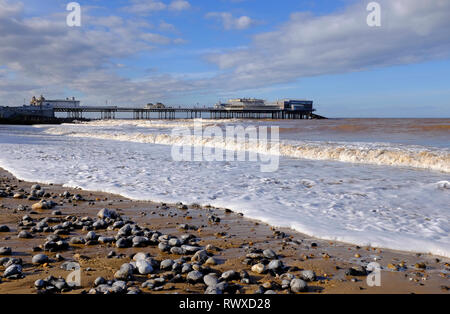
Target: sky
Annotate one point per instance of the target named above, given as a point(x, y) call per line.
point(200, 52)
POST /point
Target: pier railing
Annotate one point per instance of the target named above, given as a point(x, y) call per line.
point(188, 113)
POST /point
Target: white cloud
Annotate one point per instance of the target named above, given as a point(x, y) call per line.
point(43, 55)
point(145, 6)
point(167, 27)
point(229, 22)
point(412, 31)
point(179, 5)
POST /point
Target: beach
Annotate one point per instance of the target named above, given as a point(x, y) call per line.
point(234, 242)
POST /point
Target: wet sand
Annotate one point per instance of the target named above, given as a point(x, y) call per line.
point(234, 235)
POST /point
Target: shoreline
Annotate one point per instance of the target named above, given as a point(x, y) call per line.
point(231, 239)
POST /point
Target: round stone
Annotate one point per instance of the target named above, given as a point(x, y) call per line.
point(123, 243)
point(139, 241)
point(99, 281)
point(210, 280)
point(140, 255)
point(308, 275)
point(298, 285)
point(12, 270)
point(194, 276)
point(5, 250)
point(166, 264)
point(270, 254)
point(107, 213)
point(174, 242)
point(258, 268)
point(39, 259)
point(125, 271)
point(275, 265)
point(39, 284)
point(144, 267)
point(211, 261)
point(230, 275)
point(24, 235)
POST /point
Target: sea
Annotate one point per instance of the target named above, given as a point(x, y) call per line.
point(370, 182)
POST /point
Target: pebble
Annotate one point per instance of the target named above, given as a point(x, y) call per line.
point(119, 286)
point(24, 235)
point(210, 280)
point(356, 271)
point(285, 284)
point(190, 249)
point(139, 241)
point(5, 250)
point(39, 284)
point(123, 243)
point(91, 236)
point(194, 276)
point(308, 275)
point(166, 264)
point(140, 255)
point(125, 271)
point(186, 268)
point(77, 240)
point(298, 285)
point(99, 281)
point(200, 256)
point(211, 261)
point(177, 250)
point(13, 270)
point(230, 275)
point(275, 265)
point(144, 267)
point(39, 259)
point(103, 240)
point(174, 242)
point(213, 290)
point(259, 268)
point(420, 266)
point(4, 228)
point(270, 254)
point(163, 247)
point(124, 231)
point(107, 213)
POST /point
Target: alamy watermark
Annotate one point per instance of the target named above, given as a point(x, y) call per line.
point(74, 17)
point(235, 143)
point(74, 278)
point(374, 17)
point(374, 278)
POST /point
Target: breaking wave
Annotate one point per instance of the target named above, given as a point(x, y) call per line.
point(364, 153)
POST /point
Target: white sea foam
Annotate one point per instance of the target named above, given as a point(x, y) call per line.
point(365, 153)
point(391, 207)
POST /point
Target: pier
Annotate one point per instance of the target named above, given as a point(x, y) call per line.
point(110, 112)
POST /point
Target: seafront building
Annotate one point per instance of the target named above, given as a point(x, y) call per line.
point(59, 103)
point(158, 105)
point(260, 104)
point(291, 104)
point(39, 108)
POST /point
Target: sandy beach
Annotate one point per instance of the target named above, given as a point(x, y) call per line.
point(285, 260)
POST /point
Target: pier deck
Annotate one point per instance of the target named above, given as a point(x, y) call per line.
point(188, 113)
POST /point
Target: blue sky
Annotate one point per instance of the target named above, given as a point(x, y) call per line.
point(181, 52)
